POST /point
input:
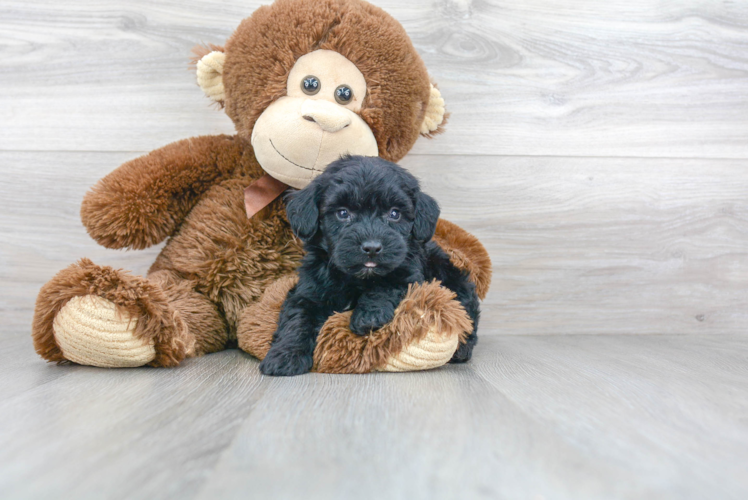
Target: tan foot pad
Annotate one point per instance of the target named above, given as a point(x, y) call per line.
point(90, 331)
point(433, 351)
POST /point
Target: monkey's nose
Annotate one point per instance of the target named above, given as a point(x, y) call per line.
point(329, 116)
point(371, 247)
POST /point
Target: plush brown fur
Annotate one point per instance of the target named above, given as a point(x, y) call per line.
point(259, 321)
point(205, 287)
point(467, 253)
point(143, 202)
point(202, 318)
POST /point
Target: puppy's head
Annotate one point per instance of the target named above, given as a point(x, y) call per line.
point(366, 212)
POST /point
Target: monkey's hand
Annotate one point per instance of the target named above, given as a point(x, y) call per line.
point(143, 201)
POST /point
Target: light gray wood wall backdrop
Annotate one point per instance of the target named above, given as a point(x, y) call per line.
point(598, 149)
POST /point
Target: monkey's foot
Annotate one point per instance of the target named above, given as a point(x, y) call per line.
point(90, 331)
point(98, 316)
point(432, 351)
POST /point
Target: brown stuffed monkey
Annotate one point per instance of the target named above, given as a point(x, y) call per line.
point(304, 81)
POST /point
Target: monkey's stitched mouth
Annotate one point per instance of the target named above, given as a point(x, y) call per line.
point(289, 161)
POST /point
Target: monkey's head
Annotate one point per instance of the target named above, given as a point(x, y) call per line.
point(307, 81)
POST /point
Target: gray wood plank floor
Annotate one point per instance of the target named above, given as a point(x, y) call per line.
point(598, 149)
point(573, 416)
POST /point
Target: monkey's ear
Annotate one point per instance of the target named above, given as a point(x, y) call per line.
point(303, 213)
point(210, 74)
point(427, 215)
point(436, 116)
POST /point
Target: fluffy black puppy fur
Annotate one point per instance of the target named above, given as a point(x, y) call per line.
point(366, 228)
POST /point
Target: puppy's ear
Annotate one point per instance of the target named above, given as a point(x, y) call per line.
point(303, 213)
point(427, 213)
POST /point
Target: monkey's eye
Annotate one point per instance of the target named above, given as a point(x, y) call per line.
point(310, 85)
point(343, 94)
point(394, 214)
point(343, 214)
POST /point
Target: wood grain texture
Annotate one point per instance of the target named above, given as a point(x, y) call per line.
point(557, 417)
point(579, 245)
point(583, 245)
point(587, 78)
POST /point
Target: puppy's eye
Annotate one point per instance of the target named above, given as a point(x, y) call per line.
point(394, 214)
point(343, 214)
point(310, 85)
point(343, 94)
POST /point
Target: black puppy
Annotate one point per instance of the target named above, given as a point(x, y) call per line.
point(366, 228)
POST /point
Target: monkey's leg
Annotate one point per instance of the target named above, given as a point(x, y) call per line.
point(99, 316)
point(205, 324)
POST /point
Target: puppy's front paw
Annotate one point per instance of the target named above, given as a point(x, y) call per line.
point(364, 321)
point(285, 362)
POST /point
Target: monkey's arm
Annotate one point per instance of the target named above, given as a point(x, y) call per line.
point(144, 200)
point(465, 252)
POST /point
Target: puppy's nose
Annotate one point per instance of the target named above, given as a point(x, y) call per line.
point(371, 247)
